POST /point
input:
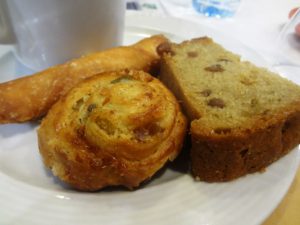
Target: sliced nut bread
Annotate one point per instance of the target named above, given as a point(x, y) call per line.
point(242, 117)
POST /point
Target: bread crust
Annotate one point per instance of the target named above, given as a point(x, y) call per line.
point(30, 97)
point(115, 128)
point(218, 158)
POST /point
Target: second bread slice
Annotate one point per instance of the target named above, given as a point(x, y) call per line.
point(242, 117)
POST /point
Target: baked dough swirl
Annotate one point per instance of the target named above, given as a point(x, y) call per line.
point(116, 128)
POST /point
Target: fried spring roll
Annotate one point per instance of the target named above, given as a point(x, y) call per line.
point(30, 97)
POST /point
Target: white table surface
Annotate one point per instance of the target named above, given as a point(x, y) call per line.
point(256, 23)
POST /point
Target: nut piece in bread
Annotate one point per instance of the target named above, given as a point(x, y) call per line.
point(115, 128)
point(242, 117)
point(30, 97)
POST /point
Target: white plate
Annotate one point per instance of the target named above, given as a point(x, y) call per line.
point(30, 195)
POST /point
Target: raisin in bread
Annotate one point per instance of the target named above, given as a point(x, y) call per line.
point(242, 117)
point(115, 128)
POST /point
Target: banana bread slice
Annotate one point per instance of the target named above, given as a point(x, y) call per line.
point(242, 117)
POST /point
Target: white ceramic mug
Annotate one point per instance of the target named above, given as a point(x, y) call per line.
point(49, 32)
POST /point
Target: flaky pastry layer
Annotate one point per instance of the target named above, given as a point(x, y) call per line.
point(115, 128)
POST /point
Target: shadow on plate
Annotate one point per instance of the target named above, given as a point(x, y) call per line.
point(10, 130)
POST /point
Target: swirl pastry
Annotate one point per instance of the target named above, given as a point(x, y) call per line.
point(30, 97)
point(115, 128)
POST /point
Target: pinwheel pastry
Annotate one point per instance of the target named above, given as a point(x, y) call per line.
point(115, 128)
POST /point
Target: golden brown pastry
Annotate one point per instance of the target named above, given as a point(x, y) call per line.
point(30, 97)
point(115, 128)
